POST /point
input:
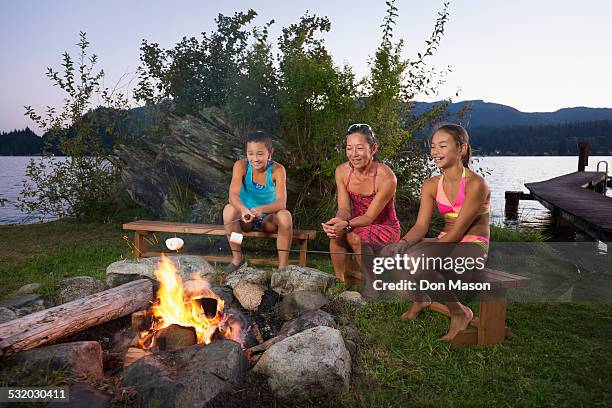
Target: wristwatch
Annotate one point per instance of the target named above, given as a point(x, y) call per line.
point(348, 227)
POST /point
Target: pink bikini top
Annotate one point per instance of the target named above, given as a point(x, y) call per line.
point(452, 210)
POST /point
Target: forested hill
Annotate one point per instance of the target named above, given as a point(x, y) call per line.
point(554, 140)
point(494, 129)
point(20, 143)
point(488, 114)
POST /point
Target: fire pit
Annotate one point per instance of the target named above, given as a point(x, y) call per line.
point(183, 315)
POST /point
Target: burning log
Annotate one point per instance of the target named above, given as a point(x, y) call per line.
point(141, 320)
point(209, 306)
point(47, 325)
point(174, 337)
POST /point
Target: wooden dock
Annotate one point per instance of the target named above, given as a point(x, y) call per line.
point(573, 198)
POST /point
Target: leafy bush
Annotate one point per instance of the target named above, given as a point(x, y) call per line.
point(304, 98)
point(82, 185)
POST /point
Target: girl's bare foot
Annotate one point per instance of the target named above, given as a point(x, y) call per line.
point(459, 321)
point(415, 310)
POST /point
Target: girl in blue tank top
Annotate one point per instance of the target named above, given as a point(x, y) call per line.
point(257, 199)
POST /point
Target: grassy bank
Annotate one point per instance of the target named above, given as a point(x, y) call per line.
point(559, 355)
point(49, 252)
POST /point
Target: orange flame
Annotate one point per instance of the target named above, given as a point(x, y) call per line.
point(174, 306)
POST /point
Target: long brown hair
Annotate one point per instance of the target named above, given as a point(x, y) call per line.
point(461, 137)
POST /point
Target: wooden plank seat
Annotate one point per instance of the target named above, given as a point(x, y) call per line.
point(489, 327)
point(142, 229)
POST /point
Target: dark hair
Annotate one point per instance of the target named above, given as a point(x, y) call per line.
point(259, 137)
point(367, 132)
point(461, 137)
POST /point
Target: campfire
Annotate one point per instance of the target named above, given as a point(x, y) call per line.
point(189, 308)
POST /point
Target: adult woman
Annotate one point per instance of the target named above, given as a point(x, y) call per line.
point(462, 197)
point(366, 192)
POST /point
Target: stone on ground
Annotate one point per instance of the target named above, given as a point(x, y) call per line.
point(78, 287)
point(351, 298)
point(249, 294)
point(121, 272)
point(188, 377)
point(27, 289)
point(296, 278)
point(307, 321)
point(248, 274)
point(297, 303)
point(313, 363)
point(82, 394)
point(81, 358)
point(6, 314)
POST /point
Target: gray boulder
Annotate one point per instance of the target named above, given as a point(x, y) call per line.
point(224, 292)
point(83, 395)
point(351, 298)
point(81, 358)
point(313, 363)
point(15, 302)
point(27, 289)
point(295, 278)
point(297, 303)
point(78, 287)
point(121, 272)
point(188, 377)
point(248, 274)
point(36, 306)
point(6, 314)
point(249, 294)
point(307, 321)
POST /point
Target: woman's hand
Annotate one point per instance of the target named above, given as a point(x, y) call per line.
point(334, 227)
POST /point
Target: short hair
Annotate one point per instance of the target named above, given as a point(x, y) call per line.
point(259, 137)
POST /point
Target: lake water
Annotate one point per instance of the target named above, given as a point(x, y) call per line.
point(508, 173)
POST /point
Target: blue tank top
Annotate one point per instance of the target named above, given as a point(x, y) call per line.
point(255, 195)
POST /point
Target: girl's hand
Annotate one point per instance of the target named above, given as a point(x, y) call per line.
point(246, 215)
point(394, 249)
point(256, 212)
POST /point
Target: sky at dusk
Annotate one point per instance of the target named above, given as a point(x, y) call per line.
point(538, 55)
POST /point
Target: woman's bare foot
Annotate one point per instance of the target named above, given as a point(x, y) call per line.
point(459, 321)
point(415, 310)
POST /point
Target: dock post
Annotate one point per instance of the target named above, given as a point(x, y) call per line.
point(512, 204)
point(583, 157)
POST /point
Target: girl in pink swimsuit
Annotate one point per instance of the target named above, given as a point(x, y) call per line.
point(366, 201)
point(462, 197)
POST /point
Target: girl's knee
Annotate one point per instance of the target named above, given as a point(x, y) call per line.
point(229, 212)
point(284, 218)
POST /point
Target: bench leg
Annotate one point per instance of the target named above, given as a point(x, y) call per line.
point(303, 249)
point(140, 244)
point(492, 316)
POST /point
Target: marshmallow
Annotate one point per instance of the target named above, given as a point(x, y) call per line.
point(236, 238)
point(174, 244)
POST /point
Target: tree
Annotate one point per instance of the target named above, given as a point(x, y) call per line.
point(83, 184)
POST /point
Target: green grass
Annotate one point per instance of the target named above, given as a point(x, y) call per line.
point(559, 355)
point(49, 252)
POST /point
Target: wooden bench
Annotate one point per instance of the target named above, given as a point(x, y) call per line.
point(142, 229)
point(489, 327)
